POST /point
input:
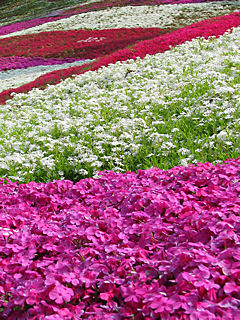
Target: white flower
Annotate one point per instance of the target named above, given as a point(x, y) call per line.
point(222, 135)
point(184, 151)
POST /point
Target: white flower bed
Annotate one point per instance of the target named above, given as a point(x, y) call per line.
point(124, 106)
point(162, 16)
point(17, 77)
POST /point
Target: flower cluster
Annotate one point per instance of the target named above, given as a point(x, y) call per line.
point(100, 5)
point(161, 111)
point(16, 62)
point(146, 245)
point(208, 28)
point(19, 11)
point(6, 28)
point(162, 16)
point(13, 78)
point(93, 233)
point(17, 26)
point(81, 44)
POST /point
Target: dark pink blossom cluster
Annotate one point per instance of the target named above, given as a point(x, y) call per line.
point(18, 26)
point(15, 62)
point(148, 245)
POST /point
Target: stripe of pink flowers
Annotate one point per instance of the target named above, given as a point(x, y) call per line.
point(18, 26)
point(9, 63)
point(207, 28)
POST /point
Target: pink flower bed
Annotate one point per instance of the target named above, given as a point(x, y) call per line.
point(8, 63)
point(18, 26)
point(212, 27)
point(148, 245)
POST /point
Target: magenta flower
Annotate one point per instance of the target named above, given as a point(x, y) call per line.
point(203, 315)
point(161, 304)
point(60, 293)
point(231, 287)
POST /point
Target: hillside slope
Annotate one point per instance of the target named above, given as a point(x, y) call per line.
point(120, 160)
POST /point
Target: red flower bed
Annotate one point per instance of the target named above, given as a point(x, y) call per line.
point(149, 245)
point(88, 44)
point(212, 27)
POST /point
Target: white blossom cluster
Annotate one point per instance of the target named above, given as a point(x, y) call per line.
point(180, 104)
point(159, 16)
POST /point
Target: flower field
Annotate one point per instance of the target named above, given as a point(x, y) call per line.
point(120, 160)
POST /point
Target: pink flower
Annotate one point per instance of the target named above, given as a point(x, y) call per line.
point(53, 317)
point(60, 293)
point(231, 287)
point(161, 304)
point(203, 315)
